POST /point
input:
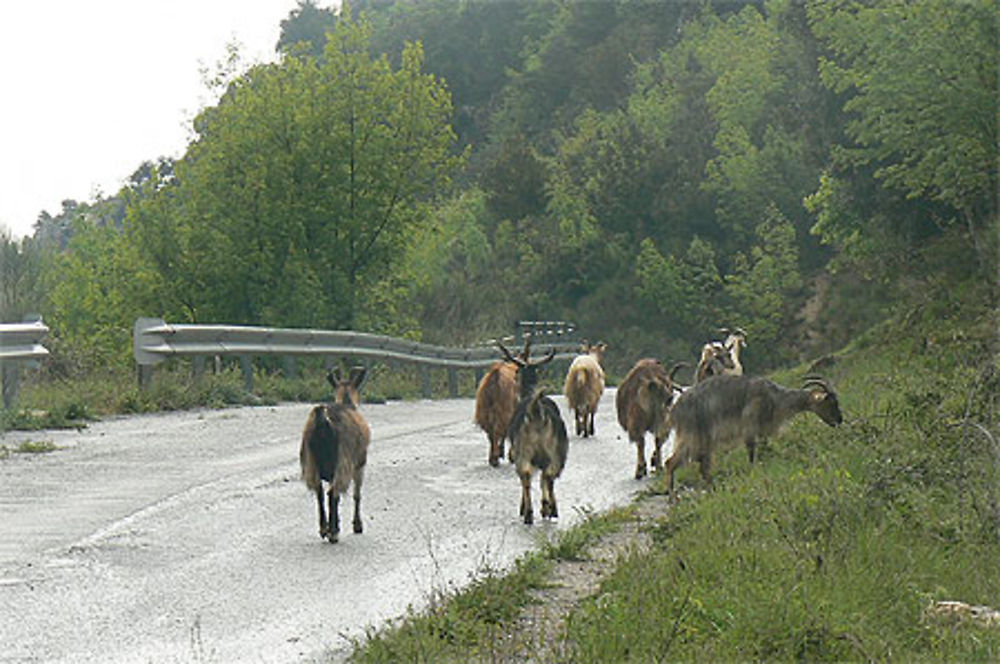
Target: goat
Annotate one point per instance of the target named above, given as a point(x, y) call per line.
point(735, 342)
point(715, 361)
point(643, 402)
point(335, 449)
point(726, 410)
point(719, 358)
point(538, 437)
point(496, 401)
point(584, 386)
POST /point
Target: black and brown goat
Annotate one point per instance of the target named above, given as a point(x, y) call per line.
point(724, 411)
point(584, 386)
point(335, 449)
point(496, 401)
point(537, 436)
point(643, 402)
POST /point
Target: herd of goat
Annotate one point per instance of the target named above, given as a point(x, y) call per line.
point(722, 409)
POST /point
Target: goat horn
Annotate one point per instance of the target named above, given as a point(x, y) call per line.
point(674, 369)
point(819, 381)
point(510, 358)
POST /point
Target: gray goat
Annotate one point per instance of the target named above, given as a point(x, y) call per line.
point(335, 450)
point(723, 411)
point(538, 437)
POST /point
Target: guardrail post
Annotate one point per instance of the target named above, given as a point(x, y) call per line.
point(246, 366)
point(290, 366)
point(452, 382)
point(144, 373)
point(10, 383)
point(198, 366)
point(425, 381)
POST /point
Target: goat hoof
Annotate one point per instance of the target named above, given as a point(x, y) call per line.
point(357, 528)
point(332, 537)
point(494, 461)
point(528, 519)
point(640, 473)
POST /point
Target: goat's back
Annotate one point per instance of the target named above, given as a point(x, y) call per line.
point(334, 444)
point(584, 382)
point(538, 436)
point(496, 397)
point(644, 397)
point(725, 410)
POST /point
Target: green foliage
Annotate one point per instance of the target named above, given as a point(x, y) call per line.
point(303, 187)
point(921, 102)
point(305, 29)
point(763, 281)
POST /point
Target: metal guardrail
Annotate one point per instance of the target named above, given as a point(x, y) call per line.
point(155, 340)
point(19, 342)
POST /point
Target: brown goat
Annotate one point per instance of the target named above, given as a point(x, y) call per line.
point(496, 401)
point(643, 402)
point(727, 410)
point(584, 387)
point(335, 449)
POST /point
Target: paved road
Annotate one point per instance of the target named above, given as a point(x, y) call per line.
point(188, 536)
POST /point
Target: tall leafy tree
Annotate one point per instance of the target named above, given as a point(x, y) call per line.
point(920, 79)
point(304, 184)
point(304, 31)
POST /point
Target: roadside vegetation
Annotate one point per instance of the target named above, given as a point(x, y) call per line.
point(835, 547)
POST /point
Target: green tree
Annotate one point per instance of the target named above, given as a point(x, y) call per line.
point(304, 31)
point(921, 85)
point(762, 284)
point(303, 186)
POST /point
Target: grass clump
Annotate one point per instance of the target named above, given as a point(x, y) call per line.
point(468, 625)
point(29, 447)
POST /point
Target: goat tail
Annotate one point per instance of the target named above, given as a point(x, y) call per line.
point(320, 452)
point(315, 427)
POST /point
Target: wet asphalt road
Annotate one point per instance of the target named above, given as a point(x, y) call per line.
point(188, 537)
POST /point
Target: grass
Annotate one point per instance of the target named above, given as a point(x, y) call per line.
point(29, 447)
point(831, 548)
point(54, 403)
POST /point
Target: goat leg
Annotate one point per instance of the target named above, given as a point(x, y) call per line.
point(324, 525)
point(656, 461)
point(549, 497)
point(669, 469)
point(496, 449)
point(705, 463)
point(590, 422)
point(358, 477)
point(334, 500)
point(640, 465)
point(526, 498)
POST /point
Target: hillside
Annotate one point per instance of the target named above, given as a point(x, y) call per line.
point(838, 546)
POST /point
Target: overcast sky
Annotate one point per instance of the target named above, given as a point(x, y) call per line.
point(89, 89)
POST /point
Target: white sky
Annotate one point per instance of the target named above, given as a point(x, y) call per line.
point(89, 89)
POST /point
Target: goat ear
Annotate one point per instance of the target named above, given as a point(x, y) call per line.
point(333, 377)
point(357, 376)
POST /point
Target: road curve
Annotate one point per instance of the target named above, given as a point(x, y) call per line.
point(188, 536)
